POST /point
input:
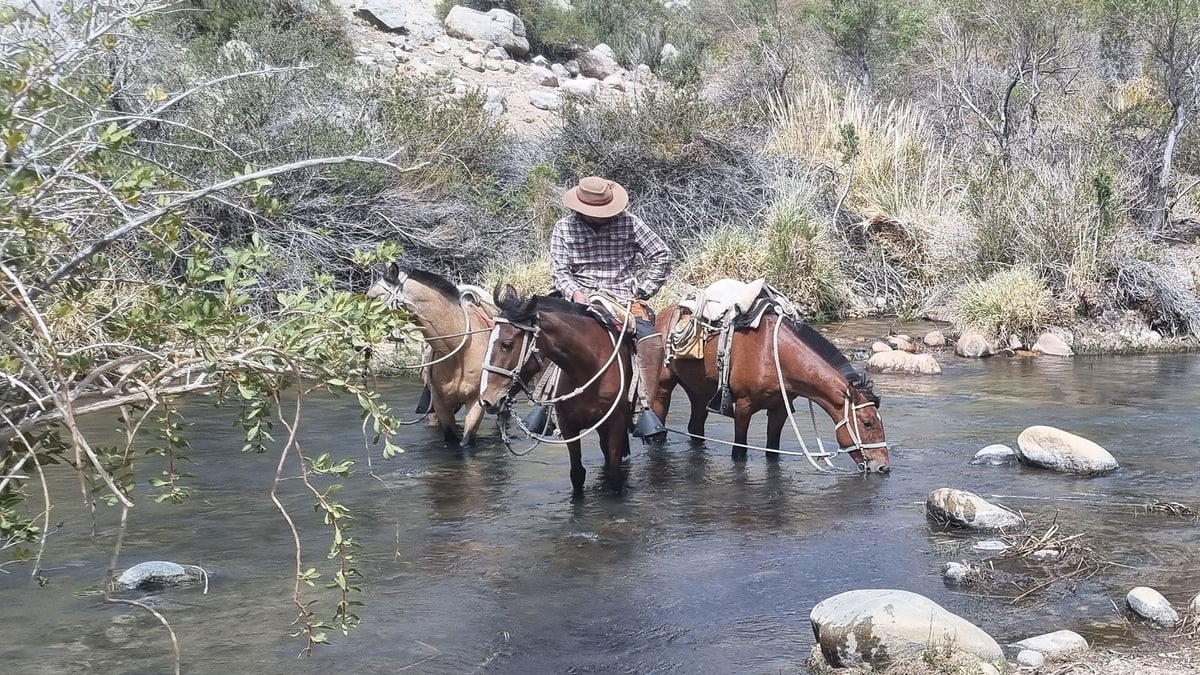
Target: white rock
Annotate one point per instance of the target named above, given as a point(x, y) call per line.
point(1051, 448)
point(473, 61)
point(384, 14)
point(955, 571)
point(935, 338)
point(877, 626)
point(896, 361)
point(508, 66)
point(994, 454)
point(669, 51)
point(1151, 605)
point(540, 60)
point(1046, 555)
point(497, 53)
point(1053, 645)
point(582, 88)
point(878, 347)
point(973, 344)
point(1014, 342)
point(1052, 345)
point(967, 509)
point(560, 71)
point(491, 64)
point(605, 50)
point(990, 546)
point(572, 67)
point(502, 28)
point(1029, 658)
point(545, 100)
point(543, 76)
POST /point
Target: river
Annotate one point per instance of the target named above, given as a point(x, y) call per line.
point(480, 561)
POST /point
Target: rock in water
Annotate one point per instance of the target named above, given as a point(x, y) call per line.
point(967, 509)
point(1151, 605)
point(1051, 448)
point(154, 574)
point(1056, 644)
point(995, 454)
point(879, 626)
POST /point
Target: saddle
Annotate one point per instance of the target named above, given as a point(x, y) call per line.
point(719, 309)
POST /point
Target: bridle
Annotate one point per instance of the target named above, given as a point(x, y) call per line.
point(529, 335)
point(849, 408)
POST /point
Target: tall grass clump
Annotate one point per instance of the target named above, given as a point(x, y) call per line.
point(729, 252)
point(885, 168)
point(529, 276)
point(1012, 301)
point(802, 258)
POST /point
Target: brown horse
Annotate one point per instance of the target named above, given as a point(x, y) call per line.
point(593, 387)
point(456, 333)
point(812, 367)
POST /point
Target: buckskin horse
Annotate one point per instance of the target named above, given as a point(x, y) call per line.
point(454, 329)
point(595, 367)
point(812, 367)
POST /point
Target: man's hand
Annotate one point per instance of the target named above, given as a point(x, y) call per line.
point(580, 297)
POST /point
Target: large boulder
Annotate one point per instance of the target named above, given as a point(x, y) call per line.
point(896, 361)
point(1050, 448)
point(581, 88)
point(501, 28)
point(994, 454)
point(880, 626)
point(969, 510)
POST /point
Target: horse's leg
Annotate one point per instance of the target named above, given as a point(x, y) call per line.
point(445, 414)
point(661, 402)
point(578, 473)
point(699, 414)
point(775, 419)
point(471, 423)
point(742, 412)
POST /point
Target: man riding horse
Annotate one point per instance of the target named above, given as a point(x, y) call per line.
point(603, 249)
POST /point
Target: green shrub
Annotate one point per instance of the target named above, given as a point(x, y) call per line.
point(802, 259)
point(1012, 301)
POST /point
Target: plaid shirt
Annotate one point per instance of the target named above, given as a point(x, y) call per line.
point(587, 258)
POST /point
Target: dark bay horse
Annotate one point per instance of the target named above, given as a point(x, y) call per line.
point(812, 368)
point(593, 386)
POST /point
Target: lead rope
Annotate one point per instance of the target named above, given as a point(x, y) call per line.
point(788, 406)
point(394, 304)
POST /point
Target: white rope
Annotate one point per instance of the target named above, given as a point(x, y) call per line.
point(787, 405)
point(394, 301)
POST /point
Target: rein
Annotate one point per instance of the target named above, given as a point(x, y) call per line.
point(394, 302)
point(529, 335)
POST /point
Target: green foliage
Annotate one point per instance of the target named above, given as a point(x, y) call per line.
point(868, 34)
point(801, 259)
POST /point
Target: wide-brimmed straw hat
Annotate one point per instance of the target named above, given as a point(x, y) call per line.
point(596, 197)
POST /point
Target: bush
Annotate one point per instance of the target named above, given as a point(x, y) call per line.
point(688, 166)
point(802, 258)
point(1012, 301)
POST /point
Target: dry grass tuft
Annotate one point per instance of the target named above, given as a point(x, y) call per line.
point(1011, 301)
point(529, 277)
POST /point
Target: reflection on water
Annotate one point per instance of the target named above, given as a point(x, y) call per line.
point(478, 561)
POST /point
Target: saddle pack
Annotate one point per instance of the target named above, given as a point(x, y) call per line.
point(718, 310)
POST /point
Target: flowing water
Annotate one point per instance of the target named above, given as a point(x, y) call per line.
point(479, 561)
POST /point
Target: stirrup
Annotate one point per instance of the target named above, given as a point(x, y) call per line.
point(538, 421)
point(426, 403)
point(648, 425)
point(722, 402)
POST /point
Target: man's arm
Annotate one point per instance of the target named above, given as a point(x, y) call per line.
point(560, 259)
point(657, 259)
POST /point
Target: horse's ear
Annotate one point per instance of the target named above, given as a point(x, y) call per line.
point(392, 273)
point(496, 294)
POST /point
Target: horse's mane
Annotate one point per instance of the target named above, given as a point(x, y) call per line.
point(437, 282)
point(521, 310)
point(834, 357)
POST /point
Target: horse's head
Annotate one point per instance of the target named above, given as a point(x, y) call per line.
point(390, 288)
point(861, 428)
point(512, 357)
